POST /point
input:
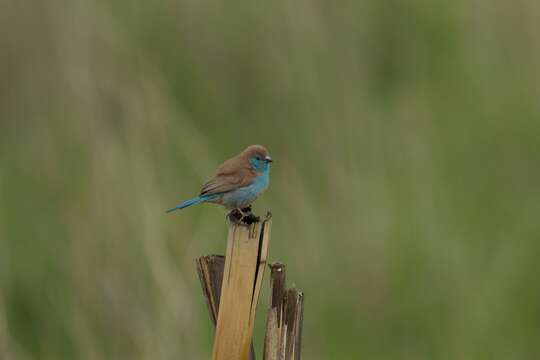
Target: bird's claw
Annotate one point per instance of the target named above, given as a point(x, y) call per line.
point(243, 216)
point(250, 219)
point(235, 216)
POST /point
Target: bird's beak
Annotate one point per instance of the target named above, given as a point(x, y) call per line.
point(268, 159)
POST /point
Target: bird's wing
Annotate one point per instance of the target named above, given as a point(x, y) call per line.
point(234, 173)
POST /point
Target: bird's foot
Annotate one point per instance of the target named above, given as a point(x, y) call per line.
point(251, 218)
point(243, 216)
point(246, 210)
point(235, 216)
point(248, 217)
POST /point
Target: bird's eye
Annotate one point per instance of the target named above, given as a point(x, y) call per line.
point(258, 157)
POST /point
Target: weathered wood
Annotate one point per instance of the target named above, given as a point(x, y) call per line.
point(271, 340)
point(277, 285)
point(241, 278)
point(293, 323)
point(299, 322)
point(285, 318)
point(210, 270)
point(245, 263)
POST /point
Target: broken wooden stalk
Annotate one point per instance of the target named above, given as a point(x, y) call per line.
point(285, 318)
point(245, 262)
point(231, 286)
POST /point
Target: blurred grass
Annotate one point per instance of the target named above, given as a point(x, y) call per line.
point(405, 189)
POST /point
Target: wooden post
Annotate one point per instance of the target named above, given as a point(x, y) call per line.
point(245, 262)
point(210, 269)
point(285, 318)
point(234, 282)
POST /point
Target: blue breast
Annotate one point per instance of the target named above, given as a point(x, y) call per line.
point(244, 196)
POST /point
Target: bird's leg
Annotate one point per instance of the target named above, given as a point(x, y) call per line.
point(246, 210)
point(235, 216)
point(250, 218)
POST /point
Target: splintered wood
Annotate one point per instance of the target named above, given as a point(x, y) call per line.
point(285, 318)
point(210, 269)
point(245, 263)
point(231, 285)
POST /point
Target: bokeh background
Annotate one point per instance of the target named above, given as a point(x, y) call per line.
point(405, 188)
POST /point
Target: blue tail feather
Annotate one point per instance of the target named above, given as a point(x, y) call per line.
point(187, 203)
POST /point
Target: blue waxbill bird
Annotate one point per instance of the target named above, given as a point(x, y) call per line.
point(237, 183)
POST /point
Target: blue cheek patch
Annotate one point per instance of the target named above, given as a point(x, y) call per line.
point(259, 165)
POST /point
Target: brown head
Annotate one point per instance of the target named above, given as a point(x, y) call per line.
point(257, 152)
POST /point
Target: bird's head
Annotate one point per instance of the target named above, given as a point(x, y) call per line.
point(258, 157)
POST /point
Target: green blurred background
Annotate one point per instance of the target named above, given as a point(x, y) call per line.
point(405, 188)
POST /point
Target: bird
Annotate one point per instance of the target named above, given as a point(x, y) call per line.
point(238, 182)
